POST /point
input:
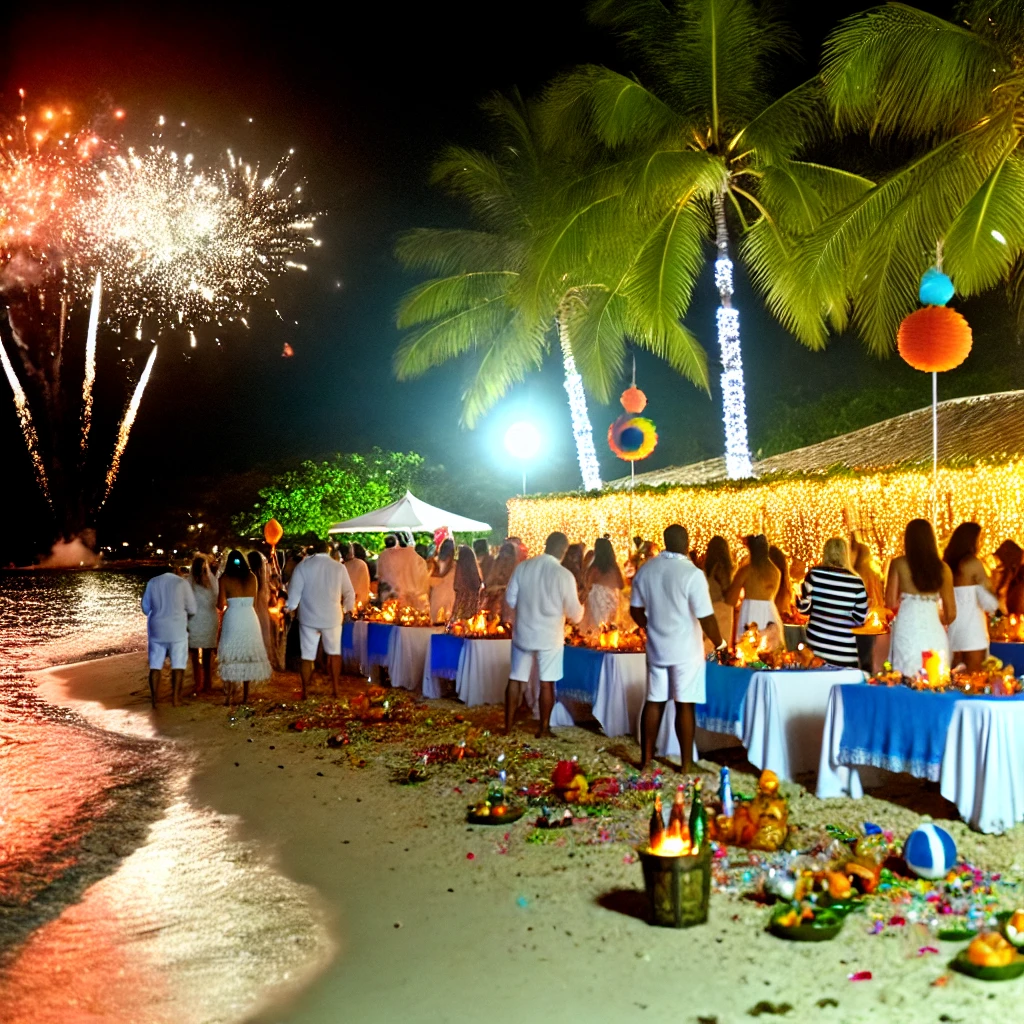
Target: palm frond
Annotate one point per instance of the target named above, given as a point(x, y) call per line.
point(1002, 21)
point(455, 251)
point(987, 237)
point(796, 120)
point(908, 73)
point(503, 363)
point(479, 179)
point(439, 298)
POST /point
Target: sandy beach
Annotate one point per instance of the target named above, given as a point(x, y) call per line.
point(432, 920)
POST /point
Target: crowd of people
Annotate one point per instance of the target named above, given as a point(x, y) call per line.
point(248, 615)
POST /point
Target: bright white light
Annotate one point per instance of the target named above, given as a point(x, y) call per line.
point(582, 431)
point(999, 236)
point(522, 441)
point(737, 453)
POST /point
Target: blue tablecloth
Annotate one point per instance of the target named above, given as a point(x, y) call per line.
point(726, 691)
point(897, 728)
point(378, 636)
point(347, 640)
point(1009, 654)
point(581, 674)
point(444, 654)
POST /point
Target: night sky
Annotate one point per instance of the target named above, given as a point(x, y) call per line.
point(367, 100)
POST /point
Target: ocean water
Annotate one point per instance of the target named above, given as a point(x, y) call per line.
point(120, 898)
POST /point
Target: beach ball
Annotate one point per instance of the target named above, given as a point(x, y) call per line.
point(930, 852)
point(934, 339)
point(936, 288)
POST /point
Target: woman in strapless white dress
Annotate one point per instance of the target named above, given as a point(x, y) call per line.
point(602, 590)
point(242, 654)
point(975, 597)
point(920, 590)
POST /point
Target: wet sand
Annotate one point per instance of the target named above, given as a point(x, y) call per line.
point(424, 933)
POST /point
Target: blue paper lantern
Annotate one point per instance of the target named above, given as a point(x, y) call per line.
point(930, 852)
point(936, 288)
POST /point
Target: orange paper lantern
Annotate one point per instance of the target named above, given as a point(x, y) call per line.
point(633, 400)
point(272, 532)
point(934, 339)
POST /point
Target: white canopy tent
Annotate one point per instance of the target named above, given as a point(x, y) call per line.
point(409, 513)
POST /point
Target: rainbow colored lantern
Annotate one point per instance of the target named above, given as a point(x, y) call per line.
point(632, 438)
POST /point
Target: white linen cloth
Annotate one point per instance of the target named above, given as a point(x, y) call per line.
point(359, 576)
point(167, 603)
point(408, 647)
point(543, 593)
point(405, 575)
point(783, 717)
point(321, 589)
point(359, 655)
point(983, 763)
point(674, 593)
point(982, 769)
point(621, 689)
point(482, 676)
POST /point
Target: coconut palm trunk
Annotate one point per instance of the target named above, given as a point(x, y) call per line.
point(734, 402)
point(582, 431)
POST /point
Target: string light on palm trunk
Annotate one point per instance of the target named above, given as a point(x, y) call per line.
point(582, 432)
point(737, 453)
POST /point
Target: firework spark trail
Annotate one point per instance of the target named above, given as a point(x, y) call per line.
point(126, 424)
point(90, 360)
point(27, 426)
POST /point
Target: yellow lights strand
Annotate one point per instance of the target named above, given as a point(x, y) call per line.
point(798, 515)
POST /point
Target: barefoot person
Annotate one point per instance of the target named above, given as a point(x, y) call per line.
point(543, 593)
point(167, 603)
point(203, 625)
point(670, 599)
point(241, 653)
point(322, 591)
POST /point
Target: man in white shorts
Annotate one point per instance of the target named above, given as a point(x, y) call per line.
point(168, 602)
point(670, 599)
point(543, 593)
point(321, 589)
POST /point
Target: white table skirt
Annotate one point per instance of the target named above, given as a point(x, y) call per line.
point(783, 717)
point(482, 677)
point(358, 659)
point(621, 690)
point(408, 647)
point(982, 770)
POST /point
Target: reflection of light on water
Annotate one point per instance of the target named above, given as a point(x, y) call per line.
point(191, 925)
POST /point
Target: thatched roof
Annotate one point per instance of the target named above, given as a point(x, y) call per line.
point(980, 427)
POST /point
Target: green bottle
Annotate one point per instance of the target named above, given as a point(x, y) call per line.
point(698, 817)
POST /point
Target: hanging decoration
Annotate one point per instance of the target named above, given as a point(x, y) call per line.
point(633, 400)
point(934, 339)
point(632, 438)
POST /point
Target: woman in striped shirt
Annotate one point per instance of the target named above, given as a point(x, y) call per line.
point(835, 600)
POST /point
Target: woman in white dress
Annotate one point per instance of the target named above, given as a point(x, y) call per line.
point(602, 589)
point(920, 590)
point(975, 596)
point(758, 581)
point(202, 627)
point(442, 583)
point(718, 569)
point(242, 655)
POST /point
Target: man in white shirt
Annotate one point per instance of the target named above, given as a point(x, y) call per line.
point(358, 574)
point(670, 599)
point(322, 591)
point(543, 593)
point(168, 602)
point(403, 575)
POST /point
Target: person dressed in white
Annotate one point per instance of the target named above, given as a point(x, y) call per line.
point(975, 597)
point(241, 653)
point(403, 575)
point(322, 591)
point(543, 593)
point(203, 625)
point(671, 601)
point(167, 602)
point(358, 574)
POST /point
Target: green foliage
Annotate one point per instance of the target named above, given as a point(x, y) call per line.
point(315, 495)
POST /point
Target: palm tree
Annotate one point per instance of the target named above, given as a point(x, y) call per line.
point(530, 270)
point(954, 94)
point(703, 152)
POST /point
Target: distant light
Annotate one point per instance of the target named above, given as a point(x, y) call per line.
point(522, 440)
point(124, 543)
point(999, 236)
point(119, 114)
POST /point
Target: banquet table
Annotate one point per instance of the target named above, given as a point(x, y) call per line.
point(407, 654)
point(378, 644)
point(613, 684)
point(442, 662)
point(972, 746)
point(777, 715)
